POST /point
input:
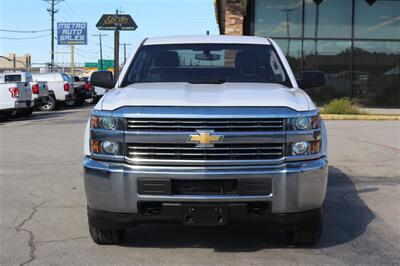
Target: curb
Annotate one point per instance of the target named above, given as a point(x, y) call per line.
point(360, 117)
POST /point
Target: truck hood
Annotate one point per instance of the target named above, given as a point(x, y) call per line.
point(226, 94)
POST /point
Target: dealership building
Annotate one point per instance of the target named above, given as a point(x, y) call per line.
point(356, 43)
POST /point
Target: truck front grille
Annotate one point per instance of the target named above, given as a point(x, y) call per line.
point(188, 151)
point(218, 125)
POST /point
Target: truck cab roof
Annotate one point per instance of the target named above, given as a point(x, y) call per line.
point(193, 39)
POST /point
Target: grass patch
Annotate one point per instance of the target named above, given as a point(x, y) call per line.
point(342, 106)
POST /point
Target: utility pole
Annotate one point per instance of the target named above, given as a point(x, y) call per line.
point(101, 48)
point(125, 44)
point(72, 60)
point(116, 50)
point(52, 11)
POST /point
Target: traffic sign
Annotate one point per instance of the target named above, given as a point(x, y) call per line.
point(116, 22)
point(71, 33)
point(107, 64)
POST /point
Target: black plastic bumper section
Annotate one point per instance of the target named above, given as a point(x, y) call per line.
point(157, 212)
point(240, 187)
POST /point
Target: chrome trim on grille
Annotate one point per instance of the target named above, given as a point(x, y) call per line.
point(203, 162)
point(217, 125)
point(161, 151)
point(182, 137)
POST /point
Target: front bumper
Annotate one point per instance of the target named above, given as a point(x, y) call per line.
point(296, 186)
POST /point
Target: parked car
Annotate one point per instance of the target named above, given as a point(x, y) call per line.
point(15, 96)
point(60, 87)
point(206, 130)
point(83, 91)
point(40, 92)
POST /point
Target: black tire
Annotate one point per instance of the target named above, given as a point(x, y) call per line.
point(51, 105)
point(305, 235)
point(107, 236)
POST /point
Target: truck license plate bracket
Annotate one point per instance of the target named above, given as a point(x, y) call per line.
point(205, 214)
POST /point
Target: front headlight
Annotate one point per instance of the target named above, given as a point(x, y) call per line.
point(304, 123)
point(110, 147)
point(106, 122)
point(300, 148)
point(305, 147)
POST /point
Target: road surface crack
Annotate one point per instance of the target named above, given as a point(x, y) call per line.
point(31, 241)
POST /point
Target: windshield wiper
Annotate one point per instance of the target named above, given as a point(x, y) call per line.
point(210, 81)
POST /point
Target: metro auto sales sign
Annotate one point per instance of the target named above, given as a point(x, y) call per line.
point(71, 33)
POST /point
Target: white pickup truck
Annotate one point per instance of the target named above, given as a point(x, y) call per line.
point(15, 96)
point(206, 130)
point(40, 91)
point(61, 89)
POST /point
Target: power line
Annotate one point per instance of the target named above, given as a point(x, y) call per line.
point(24, 38)
point(24, 31)
point(86, 52)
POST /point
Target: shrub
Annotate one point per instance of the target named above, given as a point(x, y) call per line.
point(342, 106)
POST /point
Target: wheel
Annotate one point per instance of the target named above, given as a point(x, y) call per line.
point(51, 105)
point(305, 235)
point(107, 236)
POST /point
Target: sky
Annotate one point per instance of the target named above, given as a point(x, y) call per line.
point(153, 17)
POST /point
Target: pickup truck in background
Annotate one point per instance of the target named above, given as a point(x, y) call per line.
point(15, 96)
point(40, 92)
point(84, 92)
point(60, 88)
point(98, 91)
point(206, 130)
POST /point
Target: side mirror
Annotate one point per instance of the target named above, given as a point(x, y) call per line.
point(312, 79)
point(103, 79)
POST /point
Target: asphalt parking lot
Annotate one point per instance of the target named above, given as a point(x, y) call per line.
point(43, 216)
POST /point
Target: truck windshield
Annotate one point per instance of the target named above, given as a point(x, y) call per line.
point(206, 63)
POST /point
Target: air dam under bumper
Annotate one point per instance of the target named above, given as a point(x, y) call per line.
point(296, 186)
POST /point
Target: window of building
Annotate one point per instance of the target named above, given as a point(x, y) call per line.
point(327, 18)
point(334, 59)
point(361, 60)
point(278, 18)
point(377, 73)
point(377, 19)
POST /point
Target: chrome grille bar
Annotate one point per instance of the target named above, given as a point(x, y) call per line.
point(256, 151)
point(218, 125)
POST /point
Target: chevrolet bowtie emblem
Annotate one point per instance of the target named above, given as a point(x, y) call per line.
point(205, 138)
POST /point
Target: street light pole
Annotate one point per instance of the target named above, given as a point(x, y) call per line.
point(116, 50)
point(287, 10)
